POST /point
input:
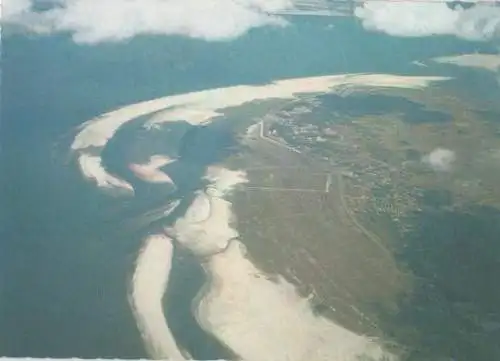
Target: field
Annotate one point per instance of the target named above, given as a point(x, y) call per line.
point(370, 215)
point(294, 220)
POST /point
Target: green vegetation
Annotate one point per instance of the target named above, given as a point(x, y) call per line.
point(348, 208)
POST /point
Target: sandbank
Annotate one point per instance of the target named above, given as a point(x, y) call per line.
point(205, 228)
point(199, 107)
point(257, 318)
point(92, 169)
point(243, 308)
point(202, 106)
point(148, 286)
point(150, 172)
point(489, 62)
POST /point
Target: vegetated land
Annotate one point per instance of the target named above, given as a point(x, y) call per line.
point(293, 218)
point(332, 196)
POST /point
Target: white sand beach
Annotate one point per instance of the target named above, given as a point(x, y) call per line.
point(92, 169)
point(209, 236)
point(244, 310)
point(150, 172)
point(201, 107)
point(205, 228)
point(148, 286)
point(263, 320)
point(257, 318)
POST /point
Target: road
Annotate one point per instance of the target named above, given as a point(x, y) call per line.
point(370, 235)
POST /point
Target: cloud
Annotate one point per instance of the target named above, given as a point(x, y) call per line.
point(440, 159)
point(93, 21)
point(12, 8)
point(416, 19)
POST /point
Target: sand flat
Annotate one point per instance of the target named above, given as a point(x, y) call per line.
point(150, 172)
point(257, 318)
point(148, 286)
point(92, 169)
point(244, 309)
point(489, 62)
point(210, 235)
point(201, 107)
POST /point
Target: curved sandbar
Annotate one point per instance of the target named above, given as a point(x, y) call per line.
point(244, 308)
point(489, 62)
point(257, 318)
point(150, 172)
point(201, 107)
point(148, 286)
point(92, 169)
point(205, 227)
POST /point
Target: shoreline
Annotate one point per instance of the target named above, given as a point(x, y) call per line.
point(149, 283)
point(200, 108)
point(197, 301)
point(242, 308)
point(206, 230)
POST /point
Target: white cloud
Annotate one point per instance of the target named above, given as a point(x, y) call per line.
point(92, 21)
point(12, 8)
point(440, 159)
point(413, 19)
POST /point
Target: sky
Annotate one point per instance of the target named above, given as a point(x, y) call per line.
point(96, 21)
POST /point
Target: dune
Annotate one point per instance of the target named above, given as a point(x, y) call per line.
point(199, 107)
point(264, 320)
point(202, 106)
point(148, 286)
point(257, 318)
point(92, 169)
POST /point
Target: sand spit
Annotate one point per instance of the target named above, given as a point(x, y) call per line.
point(200, 107)
point(205, 228)
point(257, 318)
point(263, 320)
point(150, 175)
point(489, 62)
point(91, 168)
point(149, 172)
point(148, 286)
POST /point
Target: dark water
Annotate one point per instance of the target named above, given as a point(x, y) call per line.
point(65, 257)
point(186, 280)
point(194, 148)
